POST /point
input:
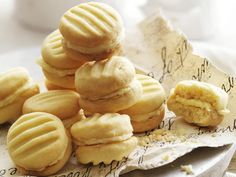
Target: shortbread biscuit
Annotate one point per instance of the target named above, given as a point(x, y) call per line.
point(62, 103)
point(199, 103)
point(106, 153)
point(16, 87)
point(92, 29)
point(103, 138)
point(104, 77)
point(148, 112)
point(102, 128)
point(54, 55)
point(38, 144)
point(108, 85)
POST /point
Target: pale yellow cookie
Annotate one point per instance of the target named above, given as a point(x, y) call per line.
point(103, 138)
point(62, 103)
point(102, 128)
point(108, 85)
point(199, 103)
point(38, 144)
point(92, 29)
point(16, 87)
point(148, 112)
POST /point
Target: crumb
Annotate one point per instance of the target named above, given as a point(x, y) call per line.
point(161, 135)
point(188, 169)
point(213, 135)
point(165, 157)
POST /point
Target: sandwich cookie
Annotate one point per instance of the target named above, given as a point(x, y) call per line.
point(38, 144)
point(103, 138)
point(62, 103)
point(108, 85)
point(92, 31)
point(57, 66)
point(149, 110)
point(199, 103)
point(15, 87)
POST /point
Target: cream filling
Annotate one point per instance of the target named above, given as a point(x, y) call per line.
point(12, 97)
point(95, 50)
point(59, 72)
point(94, 141)
point(146, 116)
point(199, 104)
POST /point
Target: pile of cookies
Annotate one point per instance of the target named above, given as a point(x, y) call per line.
point(95, 99)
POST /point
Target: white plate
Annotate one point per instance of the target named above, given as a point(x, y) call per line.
point(206, 162)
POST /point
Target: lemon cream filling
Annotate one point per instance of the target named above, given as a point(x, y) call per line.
point(146, 116)
point(94, 141)
point(51, 69)
point(95, 50)
point(199, 104)
point(12, 97)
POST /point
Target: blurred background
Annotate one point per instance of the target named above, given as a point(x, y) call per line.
point(25, 23)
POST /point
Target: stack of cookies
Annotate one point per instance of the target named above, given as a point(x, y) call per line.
point(87, 32)
point(106, 101)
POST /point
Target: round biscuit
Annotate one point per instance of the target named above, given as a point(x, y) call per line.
point(91, 24)
point(95, 79)
point(36, 141)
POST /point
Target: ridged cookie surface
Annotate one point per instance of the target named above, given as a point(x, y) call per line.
point(54, 54)
point(152, 98)
point(102, 128)
point(91, 24)
point(36, 141)
point(95, 79)
point(62, 103)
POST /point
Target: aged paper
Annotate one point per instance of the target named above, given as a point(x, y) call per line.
point(167, 56)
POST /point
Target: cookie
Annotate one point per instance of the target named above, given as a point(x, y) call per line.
point(16, 87)
point(93, 30)
point(148, 111)
point(62, 103)
point(103, 138)
point(199, 103)
point(38, 144)
point(108, 85)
